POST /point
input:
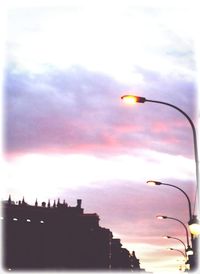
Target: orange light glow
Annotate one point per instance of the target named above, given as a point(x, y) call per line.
point(129, 99)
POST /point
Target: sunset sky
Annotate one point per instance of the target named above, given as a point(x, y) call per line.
point(68, 135)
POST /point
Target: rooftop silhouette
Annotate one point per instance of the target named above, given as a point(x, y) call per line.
point(59, 237)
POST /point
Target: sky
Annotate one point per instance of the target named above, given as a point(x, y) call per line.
point(68, 135)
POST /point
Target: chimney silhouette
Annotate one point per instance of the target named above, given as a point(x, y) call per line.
point(79, 201)
point(43, 204)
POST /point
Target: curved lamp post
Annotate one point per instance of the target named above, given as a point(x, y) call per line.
point(175, 219)
point(187, 265)
point(155, 183)
point(131, 99)
point(188, 250)
point(178, 251)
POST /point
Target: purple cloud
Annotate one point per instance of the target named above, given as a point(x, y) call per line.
point(79, 110)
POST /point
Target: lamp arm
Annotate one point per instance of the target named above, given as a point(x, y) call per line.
point(187, 236)
point(194, 138)
point(185, 194)
point(180, 252)
point(180, 241)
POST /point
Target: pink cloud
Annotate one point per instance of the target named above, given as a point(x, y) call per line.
point(42, 116)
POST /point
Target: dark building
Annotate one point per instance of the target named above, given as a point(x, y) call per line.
point(59, 237)
point(120, 259)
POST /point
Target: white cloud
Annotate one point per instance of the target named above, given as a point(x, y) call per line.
point(102, 39)
point(33, 174)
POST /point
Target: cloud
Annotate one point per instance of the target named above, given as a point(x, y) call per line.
point(79, 110)
point(63, 94)
point(135, 202)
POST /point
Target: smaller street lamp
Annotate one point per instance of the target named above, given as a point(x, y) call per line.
point(191, 252)
point(178, 251)
point(187, 266)
point(169, 237)
point(160, 217)
point(155, 183)
point(193, 223)
point(188, 250)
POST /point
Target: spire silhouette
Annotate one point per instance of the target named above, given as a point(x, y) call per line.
point(36, 202)
point(54, 204)
point(9, 200)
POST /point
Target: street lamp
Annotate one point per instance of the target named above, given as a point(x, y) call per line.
point(191, 252)
point(186, 260)
point(131, 99)
point(155, 183)
point(188, 250)
point(178, 251)
point(175, 219)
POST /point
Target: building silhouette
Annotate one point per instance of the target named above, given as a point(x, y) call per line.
point(59, 237)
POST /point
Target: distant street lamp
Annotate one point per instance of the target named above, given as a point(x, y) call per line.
point(155, 183)
point(131, 99)
point(175, 219)
point(170, 237)
point(188, 250)
point(191, 252)
point(178, 251)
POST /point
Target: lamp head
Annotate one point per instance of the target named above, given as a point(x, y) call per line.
point(153, 183)
point(170, 248)
point(131, 99)
point(160, 217)
point(166, 237)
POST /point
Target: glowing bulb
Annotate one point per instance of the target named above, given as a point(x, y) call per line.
point(129, 99)
point(166, 237)
point(151, 183)
point(154, 183)
point(160, 217)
